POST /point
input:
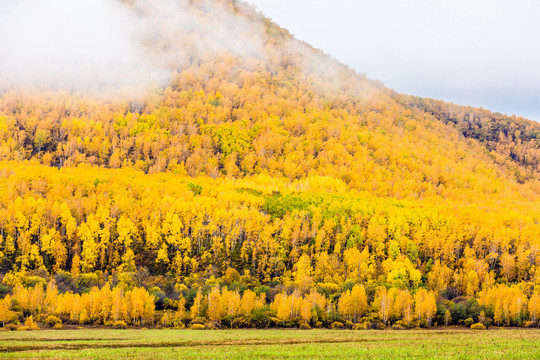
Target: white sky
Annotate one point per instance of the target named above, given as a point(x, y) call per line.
point(473, 52)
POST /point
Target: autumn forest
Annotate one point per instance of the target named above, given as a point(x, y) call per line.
point(274, 191)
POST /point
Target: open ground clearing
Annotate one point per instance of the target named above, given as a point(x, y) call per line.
point(270, 344)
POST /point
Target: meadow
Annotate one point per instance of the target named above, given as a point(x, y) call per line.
point(270, 344)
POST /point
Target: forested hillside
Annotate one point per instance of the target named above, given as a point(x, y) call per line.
point(265, 187)
point(510, 139)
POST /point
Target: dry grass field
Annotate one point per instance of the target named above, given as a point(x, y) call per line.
point(270, 344)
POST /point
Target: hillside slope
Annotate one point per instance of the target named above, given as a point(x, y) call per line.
point(268, 170)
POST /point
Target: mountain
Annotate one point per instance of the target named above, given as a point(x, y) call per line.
point(264, 167)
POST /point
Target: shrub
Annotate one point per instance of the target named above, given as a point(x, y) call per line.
point(57, 326)
point(397, 327)
point(468, 322)
point(212, 325)
point(86, 281)
point(10, 327)
point(198, 320)
point(40, 318)
point(52, 320)
point(238, 323)
point(197, 327)
point(530, 324)
point(377, 325)
point(337, 325)
point(366, 325)
point(180, 321)
point(478, 326)
point(304, 325)
point(14, 317)
point(30, 324)
point(23, 328)
point(422, 323)
point(402, 324)
point(120, 324)
point(358, 327)
point(231, 275)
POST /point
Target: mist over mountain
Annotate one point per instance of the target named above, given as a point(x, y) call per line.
point(108, 45)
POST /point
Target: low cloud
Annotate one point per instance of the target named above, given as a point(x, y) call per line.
point(104, 47)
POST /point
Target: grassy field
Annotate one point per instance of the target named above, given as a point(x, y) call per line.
point(270, 344)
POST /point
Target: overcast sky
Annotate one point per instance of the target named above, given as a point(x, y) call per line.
point(473, 52)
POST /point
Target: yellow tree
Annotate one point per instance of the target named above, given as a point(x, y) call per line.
point(248, 303)
point(439, 277)
point(197, 302)
point(5, 305)
point(89, 254)
point(305, 311)
point(51, 297)
point(508, 263)
point(404, 305)
point(447, 317)
point(117, 296)
point(303, 276)
point(384, 302)
point(180, 312)
point(353, 303)
point(507, 303)
point(425, 305)
point(281, 305)
point(106, 303)
point(358, 264)
point(534, 307)
point(214, 305)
